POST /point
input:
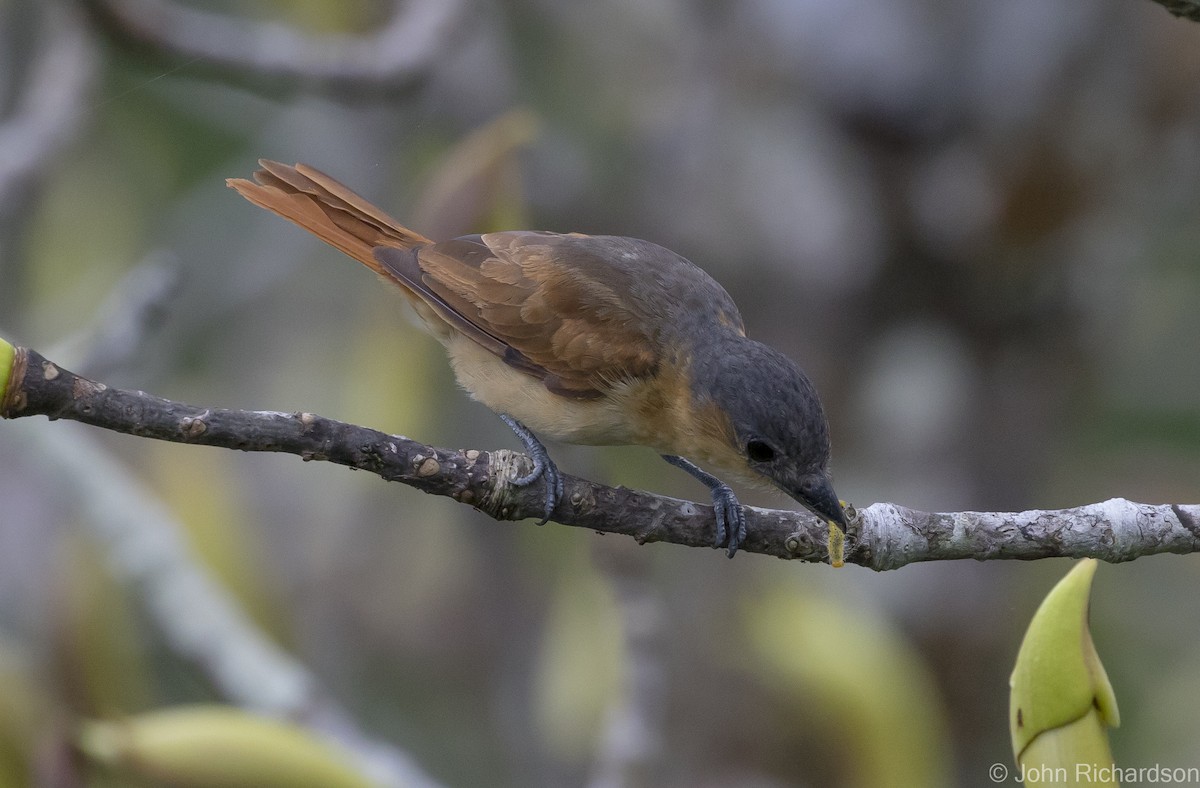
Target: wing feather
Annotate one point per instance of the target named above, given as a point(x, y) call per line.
point(543, 297)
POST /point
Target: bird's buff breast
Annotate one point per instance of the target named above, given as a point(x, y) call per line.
point(657, 413)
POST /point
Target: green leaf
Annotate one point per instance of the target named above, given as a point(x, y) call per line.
point(208, 745)
point(6, 362)
point(1061, 701)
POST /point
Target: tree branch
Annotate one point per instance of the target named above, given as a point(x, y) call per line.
point(400, 50)
point(1185, 9)
point(883, 536)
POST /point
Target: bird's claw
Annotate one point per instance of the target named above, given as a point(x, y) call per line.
point(543, 467)
point(731, 519)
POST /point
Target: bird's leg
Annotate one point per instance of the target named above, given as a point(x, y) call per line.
point(543, 466)
point(731, 518)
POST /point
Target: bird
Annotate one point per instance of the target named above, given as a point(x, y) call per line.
point(589, 339)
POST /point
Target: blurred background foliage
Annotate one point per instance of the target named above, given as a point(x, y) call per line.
point(976, 225)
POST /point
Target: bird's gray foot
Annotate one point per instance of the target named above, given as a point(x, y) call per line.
point(543, 467)
point(731, 517)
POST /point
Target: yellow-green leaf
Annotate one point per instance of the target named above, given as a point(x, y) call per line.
point(1061, 700)
point(1074, 754)
point(854, 676)
point(6, 362)
point(210, 745)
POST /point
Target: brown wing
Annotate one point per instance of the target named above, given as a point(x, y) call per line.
point(551, 305)
point(577, 312)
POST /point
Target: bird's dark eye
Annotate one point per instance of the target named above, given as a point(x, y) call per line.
point(759, 451)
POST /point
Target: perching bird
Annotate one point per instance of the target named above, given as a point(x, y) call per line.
point(597, 340)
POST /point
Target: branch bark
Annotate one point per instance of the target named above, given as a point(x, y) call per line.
point(882, 536)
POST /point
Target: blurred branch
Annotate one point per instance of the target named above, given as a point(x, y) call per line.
point(1187, 9)
point(49, 108)
point(201, 622)
point(397, 52)
point(632, 746)
point(477, 179)
point(883, 536)
point(51, 102)
point(146, 551)
point(135, 311)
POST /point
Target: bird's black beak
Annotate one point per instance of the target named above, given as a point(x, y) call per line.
point(818, 496)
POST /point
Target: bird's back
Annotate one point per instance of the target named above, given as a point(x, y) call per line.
point(579, 312)
point(649, 280)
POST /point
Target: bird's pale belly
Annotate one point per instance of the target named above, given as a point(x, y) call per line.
point(596, 422)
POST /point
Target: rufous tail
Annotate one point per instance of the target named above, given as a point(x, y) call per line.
point(327, 209)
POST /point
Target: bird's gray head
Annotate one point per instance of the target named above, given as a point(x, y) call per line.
point(777, 425)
